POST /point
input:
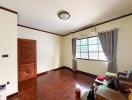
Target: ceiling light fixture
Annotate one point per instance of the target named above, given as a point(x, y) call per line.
point(63, 15)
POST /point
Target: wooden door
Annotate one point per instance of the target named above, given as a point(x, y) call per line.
point(26, 59)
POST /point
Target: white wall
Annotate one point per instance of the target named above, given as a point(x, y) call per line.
point(8, 45)
point(48, 48)
point(124, 49)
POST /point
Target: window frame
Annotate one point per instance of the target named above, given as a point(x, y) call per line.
point(88, 50)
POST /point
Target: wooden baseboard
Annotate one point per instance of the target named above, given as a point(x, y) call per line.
point(43, 73)
point(12, 95)
point(78, 71)
point(64, 67)
point(68, 68)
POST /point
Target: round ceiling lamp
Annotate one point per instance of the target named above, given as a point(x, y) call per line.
point(63, 15)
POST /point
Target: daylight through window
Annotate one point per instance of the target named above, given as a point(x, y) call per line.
point(89, 48)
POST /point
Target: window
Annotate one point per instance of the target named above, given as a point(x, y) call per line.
point(89, 48)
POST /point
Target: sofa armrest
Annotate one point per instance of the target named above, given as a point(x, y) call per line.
point(122, 73)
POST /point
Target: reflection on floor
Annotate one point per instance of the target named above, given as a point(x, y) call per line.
point(55, 85)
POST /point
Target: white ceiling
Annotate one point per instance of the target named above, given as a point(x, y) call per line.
point(42, 14)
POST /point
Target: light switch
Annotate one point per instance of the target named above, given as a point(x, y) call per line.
point(5, 55)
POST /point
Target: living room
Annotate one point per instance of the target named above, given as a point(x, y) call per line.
point(59, 50)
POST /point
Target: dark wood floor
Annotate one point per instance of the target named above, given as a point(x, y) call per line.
point(56, 85)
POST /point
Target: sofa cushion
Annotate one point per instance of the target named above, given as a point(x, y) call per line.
point(129, 73)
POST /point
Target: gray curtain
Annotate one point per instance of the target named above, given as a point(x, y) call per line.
point(74, 62)
point(108, 41)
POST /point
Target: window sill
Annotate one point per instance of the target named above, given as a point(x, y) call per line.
point(92, 60)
